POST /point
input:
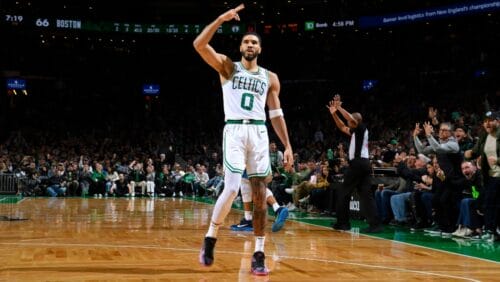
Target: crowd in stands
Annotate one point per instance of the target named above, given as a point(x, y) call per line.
point(425, 192)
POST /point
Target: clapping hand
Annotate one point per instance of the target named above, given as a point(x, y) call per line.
point(428, 129)
point(417, 130)
point(440, 174)
point(334, 104)
point(331, 107)
point(337, 101)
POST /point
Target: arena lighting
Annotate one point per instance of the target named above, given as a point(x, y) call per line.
point(480, 73)
point(16, 83)
point(149, 89)
point(368, 84)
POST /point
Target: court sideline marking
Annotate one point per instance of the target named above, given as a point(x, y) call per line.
point(243, 253)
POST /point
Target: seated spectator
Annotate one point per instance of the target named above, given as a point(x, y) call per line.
point(85, 178)
point(137, 178)
point(186, 183)
point(200, 181)
point(98, 185)
point(122, 186)
point(301, 192)
point(219, 173)
point(383, 196)
point(319, 194)
point(71, 177)
point(282, 179)
point(111, 178)
point(57, 183)
point(412, 171)
point(177, 174)
point(31, 183)
point(164, 183)
point(150, 180)
point(469, 221)
point(421, 198)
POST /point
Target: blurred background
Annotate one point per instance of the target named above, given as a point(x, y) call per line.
point(127, 70)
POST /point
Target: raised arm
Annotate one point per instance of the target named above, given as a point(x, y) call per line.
point(348, 116)
point(277, 118)
point(334, 107)
point(448, 147)
point(426, 150)
point(220, 62)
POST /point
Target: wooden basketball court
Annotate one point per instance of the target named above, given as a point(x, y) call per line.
point(67, 239)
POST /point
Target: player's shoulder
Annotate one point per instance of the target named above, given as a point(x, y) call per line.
point(273, 78)
point(271, 74)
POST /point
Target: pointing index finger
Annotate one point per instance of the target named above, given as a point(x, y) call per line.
point(239, 8)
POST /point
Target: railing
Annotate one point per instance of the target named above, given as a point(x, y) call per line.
point(8, 183)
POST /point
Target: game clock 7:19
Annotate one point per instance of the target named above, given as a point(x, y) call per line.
point(13, 18)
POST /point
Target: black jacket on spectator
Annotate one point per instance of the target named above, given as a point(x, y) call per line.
point(410, 175)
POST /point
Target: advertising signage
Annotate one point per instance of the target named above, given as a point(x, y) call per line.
point(322, 25)
point(430, 14)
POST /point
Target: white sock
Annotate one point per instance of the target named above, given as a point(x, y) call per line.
point(259, 243)
point(248, 215)
point(212, 230)
point(276, 206)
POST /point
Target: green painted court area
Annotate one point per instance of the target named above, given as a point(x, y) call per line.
point(473, 248)
point(10, 199)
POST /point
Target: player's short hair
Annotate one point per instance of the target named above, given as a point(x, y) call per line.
point(252, 33)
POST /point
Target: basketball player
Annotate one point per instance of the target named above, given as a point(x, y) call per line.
point(246, 195)
point(246, 89)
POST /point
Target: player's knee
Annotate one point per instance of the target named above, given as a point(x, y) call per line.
point(258, 182)
point(246, 194)
point(245, 181)
point(230, 193)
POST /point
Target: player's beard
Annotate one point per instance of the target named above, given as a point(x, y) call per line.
point(249, 56)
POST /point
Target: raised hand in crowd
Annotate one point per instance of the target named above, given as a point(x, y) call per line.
point(417, 130)
point(428, 128)
point(433, 112)
point(397, 159)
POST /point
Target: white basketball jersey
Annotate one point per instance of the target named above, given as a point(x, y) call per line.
point(245, 94)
